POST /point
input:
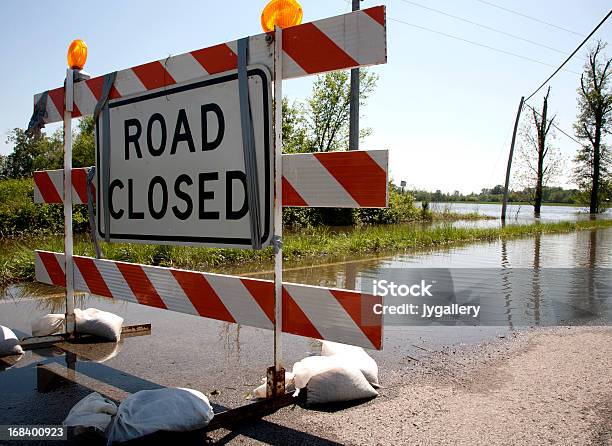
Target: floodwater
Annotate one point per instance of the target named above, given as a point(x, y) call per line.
point(521, 213)
point(227, 361)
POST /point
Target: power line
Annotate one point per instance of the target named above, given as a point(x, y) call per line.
point(571, 55)
point(529, 17)
point(475, 43)
point(556, 126)
point(490, 28)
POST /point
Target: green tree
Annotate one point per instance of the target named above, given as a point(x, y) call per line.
point(295, 135)
point(30, 154)
point(327, 110)
point(592, 172)
point(83, 147)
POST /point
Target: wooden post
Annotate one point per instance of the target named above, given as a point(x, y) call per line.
point(509, 168)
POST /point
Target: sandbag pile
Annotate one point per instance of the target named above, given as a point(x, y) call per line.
point(141, 414)
point(49, 324)
point(341, 373)
point(92, 412)
point(9, 344)
point(91, 321)
point(98, 323)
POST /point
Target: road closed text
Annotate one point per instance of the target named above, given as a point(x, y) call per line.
point(192, 194)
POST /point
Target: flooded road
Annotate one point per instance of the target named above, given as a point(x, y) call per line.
point(227, 361)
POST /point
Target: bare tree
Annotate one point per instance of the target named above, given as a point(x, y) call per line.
point(539, 161)
point(592, 172)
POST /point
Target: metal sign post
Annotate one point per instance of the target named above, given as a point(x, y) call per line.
point(279, 373)
point(68, 240)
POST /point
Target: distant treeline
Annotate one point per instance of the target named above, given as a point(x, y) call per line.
point(495, 195)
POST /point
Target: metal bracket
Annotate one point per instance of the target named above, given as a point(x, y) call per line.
point(102, 107)
point(277, 243)
point(275, 382)
point(248, 143)
point(91, 172)
point(37, 121)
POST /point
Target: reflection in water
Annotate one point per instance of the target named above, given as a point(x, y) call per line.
point(527, 295)
point(506, 283)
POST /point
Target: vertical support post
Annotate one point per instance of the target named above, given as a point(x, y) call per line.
point(354, 102)
point(68, 241)
point(276, 377)
point(509, 168)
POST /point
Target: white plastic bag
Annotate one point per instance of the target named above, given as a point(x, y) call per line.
point(48, 324)
point(92, 411)
point(353, 356)
point(171, 409)
point(260, 392)
point(337, 384)
point(98, 323)
point(9, 344)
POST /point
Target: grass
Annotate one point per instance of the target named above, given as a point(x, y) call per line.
point(314, 245)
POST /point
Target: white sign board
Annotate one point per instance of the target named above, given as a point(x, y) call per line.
point(177, 171)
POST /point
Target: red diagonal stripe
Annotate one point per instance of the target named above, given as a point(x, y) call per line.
point(46, 187)
point(79, 183)
point(291, 197)
point(54, 269)
point(202, 295)
point(94, 280)
point(263, 293)
point(96, 85)
point(312, 50)
point(355, 304)
point(140, 285)
point(75, 110)
point(295, 320)
point(57, 96)
point(377, 13)
point(359, 174)
point(153, 75)
point(216, 59)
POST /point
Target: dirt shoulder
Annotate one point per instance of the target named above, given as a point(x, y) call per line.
point(549, 386)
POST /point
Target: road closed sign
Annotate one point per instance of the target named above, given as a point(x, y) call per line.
point(174, 164)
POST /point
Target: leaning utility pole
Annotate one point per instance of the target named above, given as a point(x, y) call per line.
point(507, 185)
point(354, 102)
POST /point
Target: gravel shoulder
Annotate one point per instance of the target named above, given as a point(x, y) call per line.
point(545, 386)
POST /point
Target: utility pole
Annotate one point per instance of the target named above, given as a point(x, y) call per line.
point(354, 102)
point(507, 185)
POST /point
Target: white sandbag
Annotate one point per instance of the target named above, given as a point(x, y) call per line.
point(170, 409)
point(353, 356)
point(260, 392)
point(338, 384)
point(98, 323)
point(311, 365)
point(93, 411)
point(48, 324)
point(9, 344)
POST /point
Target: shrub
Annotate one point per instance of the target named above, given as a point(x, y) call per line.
point(19, 214)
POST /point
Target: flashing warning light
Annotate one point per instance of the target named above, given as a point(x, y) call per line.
point(282, 13)
point(77, 54)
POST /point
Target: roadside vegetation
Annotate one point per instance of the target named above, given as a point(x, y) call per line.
point(312, 245)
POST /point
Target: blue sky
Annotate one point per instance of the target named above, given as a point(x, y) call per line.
point(444, 108)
